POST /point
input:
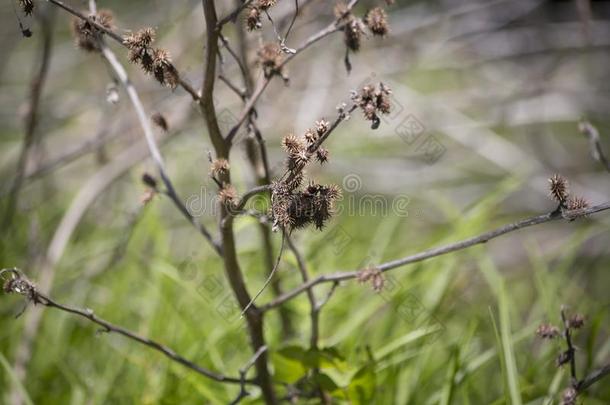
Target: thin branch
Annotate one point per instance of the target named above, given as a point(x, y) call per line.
point(567, 334)
point(294, 18)
point(152, 144)
point(592, 378)
point(441, 250)
point(118, 38)
point(243, 393)
point(314, 312)
point(269, 277)
point(18, 284)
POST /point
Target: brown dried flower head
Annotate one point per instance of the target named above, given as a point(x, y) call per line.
point(377, 21)
point(163, 70)
point(27, 6)
point(159, 120)
point(86, 34)
point(577, 203)
point(558, 186)
point(140, 51)
point(228, 195)
point(293, 144)
point(576, 321)
point(310, 137)
point(294, 209)
point(270, 58)
point(322, 127)
point(253, 19)
point(547, 331)
point(372, 275)
point(141, 39)
point(219, 167)
point(322, 155)
point(374, 101)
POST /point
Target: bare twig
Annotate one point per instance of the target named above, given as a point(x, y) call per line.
point(567, 335)
point(243, 393)
point(592, 378)
point(439, 251)
point(269, 277)
point(20, 285)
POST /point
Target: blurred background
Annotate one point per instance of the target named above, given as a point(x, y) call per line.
point(487, 96)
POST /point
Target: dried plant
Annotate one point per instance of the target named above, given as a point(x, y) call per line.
point(297, 201)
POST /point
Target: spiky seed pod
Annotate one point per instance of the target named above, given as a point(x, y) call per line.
point(293, 145)
point(377, 21)
point(163, 70)
point(27, 6)
point(159, 120)
point(558, 186)
point(577, 203)
point(140, 51)
point(219, 167)
point(322, 155)
point(372, 275)
point(322, 127)
point(266, 4)
point(270, 58)
point(301, 158)
point(227, 195)
point(253, 19)
point(370, 111)
point(84, 35)
point(547, 331)
point(576, 321)
point(310, 137)
point(353, 32)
